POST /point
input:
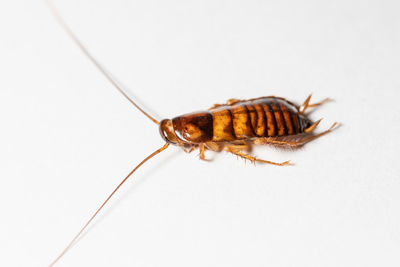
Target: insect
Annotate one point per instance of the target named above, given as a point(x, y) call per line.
point(233, 127)
point(238, 124)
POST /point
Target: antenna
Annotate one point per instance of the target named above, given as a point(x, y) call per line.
point(93, 60)
point(105, 202)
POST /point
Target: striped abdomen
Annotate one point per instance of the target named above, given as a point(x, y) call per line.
point(260, 117)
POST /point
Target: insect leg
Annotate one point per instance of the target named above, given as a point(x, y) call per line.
point(308, 139)
point(241, 145)
point(233, 101)
point(307, 104)
point(214, 146)
point(292, 141)
point(230, 102)
point(202, 149)
point(313, 126)
point(237, 152)
point(273, 141)
point(187, 149)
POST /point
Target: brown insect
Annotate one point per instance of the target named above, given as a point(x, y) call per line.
point(232, 127)
point(238, 124)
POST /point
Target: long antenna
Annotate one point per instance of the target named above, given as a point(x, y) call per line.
point(105, 202)
point(62, 23)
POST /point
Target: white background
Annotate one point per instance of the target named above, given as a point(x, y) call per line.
point(67, 137)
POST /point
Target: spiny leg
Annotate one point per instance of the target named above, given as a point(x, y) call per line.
point(296, 143)
point(253, 159)
point(267, 141)
point(313, 126)
point(307, 104)
point(202, 149)
point(308, 139)
point(187, 150)
point(240, 145)
point(230, 102)
point(233, 101)
point(214, 146)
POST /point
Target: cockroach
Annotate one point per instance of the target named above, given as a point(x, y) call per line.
point(232, 127)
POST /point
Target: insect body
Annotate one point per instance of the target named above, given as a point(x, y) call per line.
point(239, 123)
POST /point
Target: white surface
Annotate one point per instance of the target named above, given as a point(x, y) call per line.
point(68, 138)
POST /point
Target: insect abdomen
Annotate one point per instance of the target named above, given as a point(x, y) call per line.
point(261, 117)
